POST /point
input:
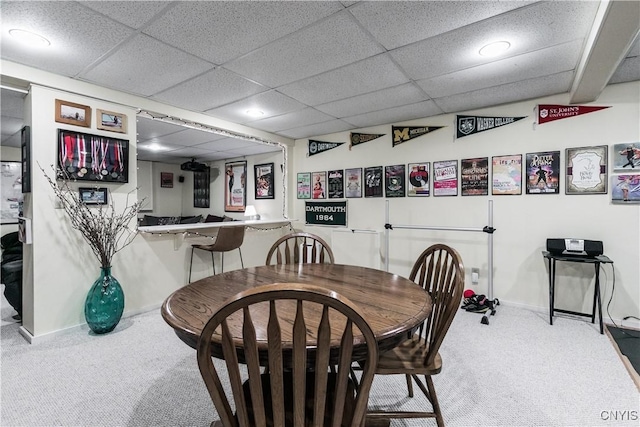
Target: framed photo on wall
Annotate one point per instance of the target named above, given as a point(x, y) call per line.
point(445, 178)
point(235, 194)
point(166, 179)
point(418, 185)
point(11, 186)
point(394, 181)
point(353, 182)
point(506, 175)
point(86, 157)
point(94, 196)
point(319, 185)
point(336, 184)
point(72, 113)
point(304, 185)
point(108, 120)
point(264, 180)
point(625, 189)
point(626, 156)
point(586, 170)
point(474, 176)
point(373, 181)
point(543, 172)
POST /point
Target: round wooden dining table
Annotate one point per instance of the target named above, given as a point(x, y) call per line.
point(392, 305)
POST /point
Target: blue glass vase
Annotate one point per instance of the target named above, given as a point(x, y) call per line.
point(105, 303)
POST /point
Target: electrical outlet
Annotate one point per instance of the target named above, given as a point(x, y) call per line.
point(475, 275)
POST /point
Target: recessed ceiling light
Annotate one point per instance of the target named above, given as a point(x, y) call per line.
point(495, 48)
point(28, 37)
point(254, 112)
point(153, 147)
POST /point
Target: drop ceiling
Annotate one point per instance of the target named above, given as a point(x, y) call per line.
point(320, 67)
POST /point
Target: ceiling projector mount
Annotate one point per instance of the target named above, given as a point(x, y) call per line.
point(193, 166)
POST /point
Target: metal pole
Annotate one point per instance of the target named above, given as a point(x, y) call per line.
point(386, 238)
point(420, 227)
point(490, 272)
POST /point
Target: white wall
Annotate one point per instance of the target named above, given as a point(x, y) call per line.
point(523, 222)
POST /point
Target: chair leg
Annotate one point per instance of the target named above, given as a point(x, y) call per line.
point(241, 263)
point(222, 261)
point(213, 262)
point(191, 264)
point(409, 385)
point(434, 401)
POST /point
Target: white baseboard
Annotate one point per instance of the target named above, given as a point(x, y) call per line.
point(31, 339)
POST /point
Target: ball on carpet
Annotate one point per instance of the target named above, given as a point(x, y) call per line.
point(468, 293)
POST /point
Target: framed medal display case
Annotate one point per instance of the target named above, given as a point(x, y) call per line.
point(86, 157)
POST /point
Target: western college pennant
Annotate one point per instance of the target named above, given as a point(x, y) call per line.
point(468, 125)
point(360, 138)
point(405, 133)
point(551, 112)
point(316, 147)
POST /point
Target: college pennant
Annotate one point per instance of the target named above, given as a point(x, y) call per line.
point(360, 138)
point(405, 133)
point(468, 125)
point(316, 147)
point(551, 112)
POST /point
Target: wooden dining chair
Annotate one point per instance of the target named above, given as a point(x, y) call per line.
point(300, 248)
point(440, 272)
point(228, 239)
point(299, 329)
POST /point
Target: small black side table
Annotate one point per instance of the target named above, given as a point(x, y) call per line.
point(596, 261)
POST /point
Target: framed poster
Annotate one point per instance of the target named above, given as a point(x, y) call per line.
point(543, 172)
point(586, 170)
point(235, 194)
point(264, 180)
point(336, 184)
point(319, 190)
point(626, 156)
point(166, 179)
point(625, 189)
point(304, 185)
point(25, 138)
point(108, 120)
point(11, 185)
point(93, 196)
point(418, 185)
point(72, 113)
point(201, 188)
point(86, 157)
point(394, 185)
point(373, 181)
point(445, 178)
point(474, 176)
point(353, 182)
point(506, 175)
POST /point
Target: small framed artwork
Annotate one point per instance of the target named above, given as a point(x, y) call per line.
point(11, 186)
point(418, 185)
point(474, 176)
point(506, 175)
point(336, 184)
point(445, 178)
point(625, 189)
point(319, 180)
point(86, 157)
point(235, 194)
point(353, 182)
point(72, 113)
point(166, 179)
point(394, 185)
point(202, 188)
point(25, 135)
point(108, 120)
point(373, 181)
point(626, 157)
point(304, 185)
point(93, 196)
point(264, 178)
point(586, 170)
point(543, 172)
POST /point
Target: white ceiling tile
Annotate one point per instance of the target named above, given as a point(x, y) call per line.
point(224, 144)
point(156, 145)
point(271, 103)
point(531, 28)
point(148, 128)
point(409, 21)
point(221, 30)
point(73, 47)
point(539, 63)
point(190, 137)
point(11, 126)
point(145, 66)
point(513, 92)
point(214, 155)
point(628, 71)
point(317, 129)
point(379, 100)
point(307, 116)
point(397, 114)
point(331, 43)
point(161, 157)
point(12, 104)
point(190, 152)
point(212, 89)
point(364, 76)
point(251, 150)
point(132, 13)
point(14, 140)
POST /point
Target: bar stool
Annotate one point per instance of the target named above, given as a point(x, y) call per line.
point(228, 239)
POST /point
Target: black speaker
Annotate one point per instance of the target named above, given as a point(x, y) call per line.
point(578, 247)
point(181, 178)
